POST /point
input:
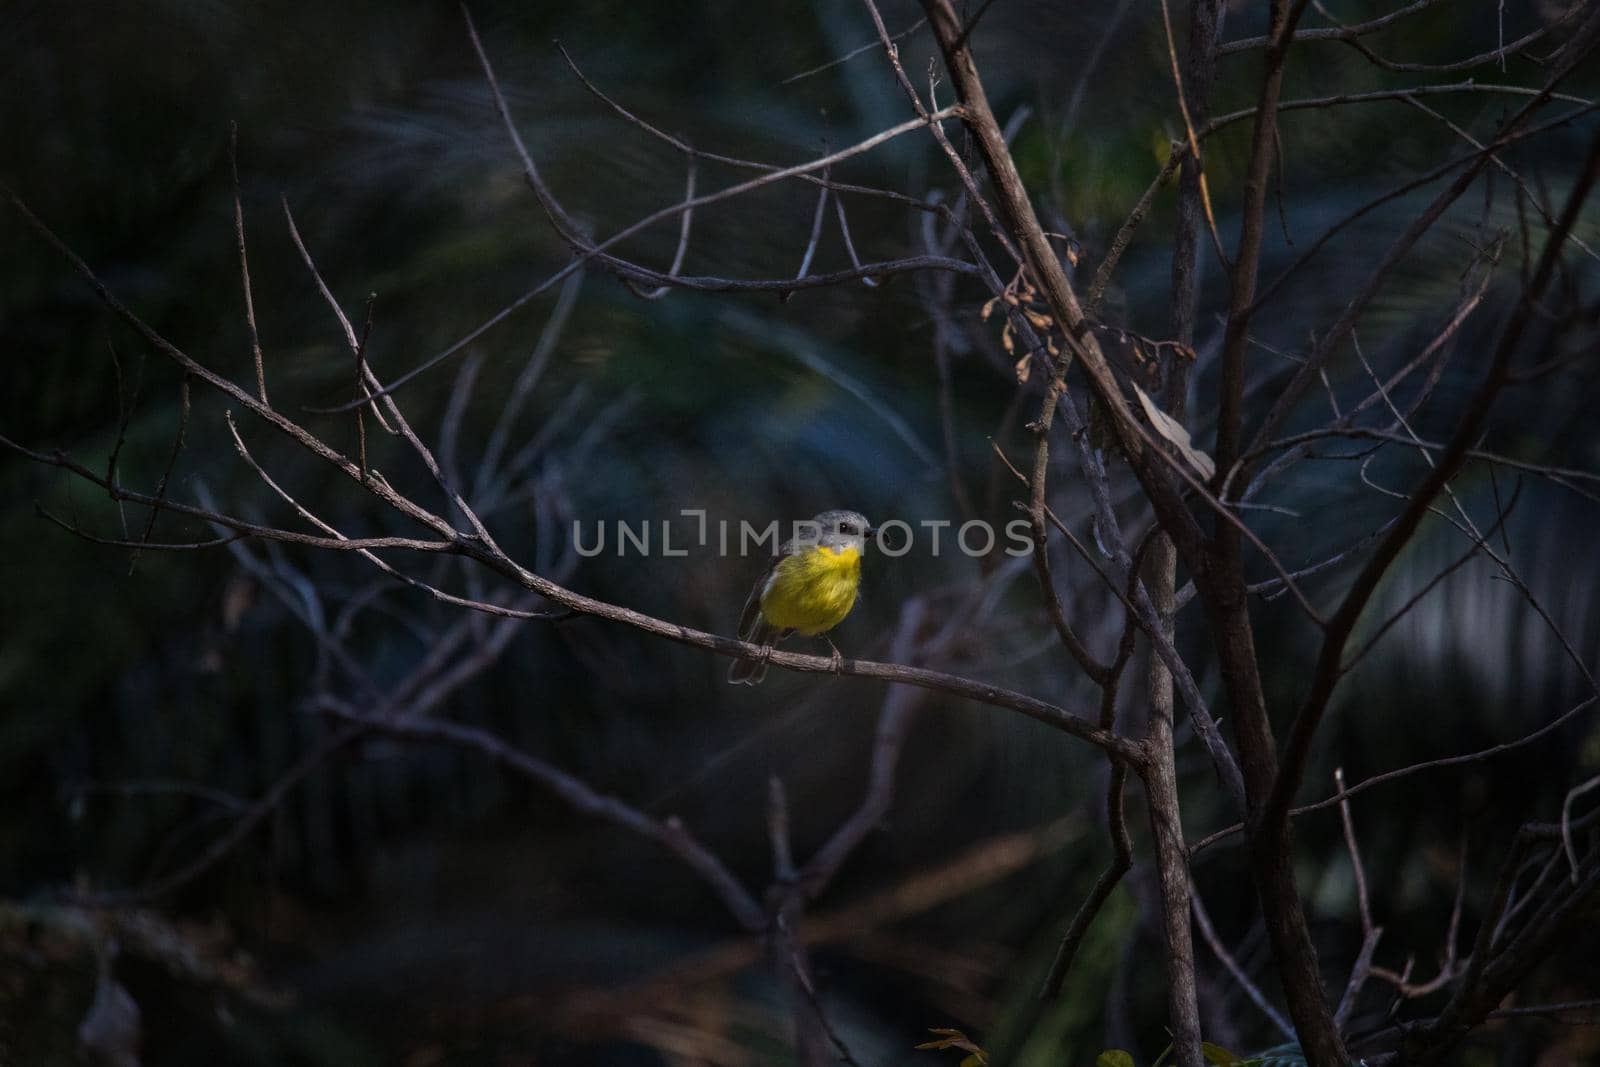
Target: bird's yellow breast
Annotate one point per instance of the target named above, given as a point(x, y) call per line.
point(813, 590)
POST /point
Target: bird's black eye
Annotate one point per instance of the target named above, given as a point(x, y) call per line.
point(850, 528)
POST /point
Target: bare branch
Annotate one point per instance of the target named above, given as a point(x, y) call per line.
point(1504, 168)
point(172, 461)
point(816, 231)
point(587, 250)
point(1583, 42)
point(1361, 969)
point(1124, 234)
point(894, 724)
point(1415, 768)
point(860, 50)
point(969, 183)
point(1193, 142)
point(684, 225)
point(489, 555)
point(527, 380)
point(732, 161)
point(1092, 667)
point(1203, 920)
point(1297, 749)
point(1109, 878)
point(244, 263)
point(670, 833)
point(1540, 96)
point(1566, 822)
point(239, 830)
point(1339, 33)
point(239, 526)
point(1494, 55)
point(1426, 178)
point(356, 344)
point(1160, 776)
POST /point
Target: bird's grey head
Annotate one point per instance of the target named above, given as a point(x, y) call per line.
point(843, 529)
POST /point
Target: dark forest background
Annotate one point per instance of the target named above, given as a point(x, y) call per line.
point(412, 905)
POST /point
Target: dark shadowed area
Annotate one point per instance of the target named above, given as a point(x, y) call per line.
point(213, 834)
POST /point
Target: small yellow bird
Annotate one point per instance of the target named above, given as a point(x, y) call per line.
point(808, 589)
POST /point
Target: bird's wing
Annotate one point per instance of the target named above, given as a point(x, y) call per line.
point(750, 617)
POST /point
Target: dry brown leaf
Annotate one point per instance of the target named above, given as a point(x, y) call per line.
point(950, 1038)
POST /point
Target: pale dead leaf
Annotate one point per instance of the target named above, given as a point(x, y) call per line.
point(238, 597)
point(1173, 431)
point(109, 1034)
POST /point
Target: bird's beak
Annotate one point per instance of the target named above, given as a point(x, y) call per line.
point(871, 533)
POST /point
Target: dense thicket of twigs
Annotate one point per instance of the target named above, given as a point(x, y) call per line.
point(1275, 325)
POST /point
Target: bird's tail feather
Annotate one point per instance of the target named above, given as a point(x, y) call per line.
point(752, 671)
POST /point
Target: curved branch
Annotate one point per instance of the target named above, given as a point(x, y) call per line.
point(669, 833)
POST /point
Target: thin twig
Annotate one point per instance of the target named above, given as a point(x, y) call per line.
point(857, 51)
point(670, 833)
point(900, 706)
point(684, 225)
point(1108, 879)
point(1566, 823)
point(166, 475)
point(1203, 921)
point(793, 954)
point(586, 250)
point(1124, 234)
point(488, 554)
point(1193, 139)
point(1361, 969)
point(1415, 768)
point(1498, 54)
point(244, 263)
point(849, 245)
point(1342, 623)
point(1339, 33)
point(355, 344)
